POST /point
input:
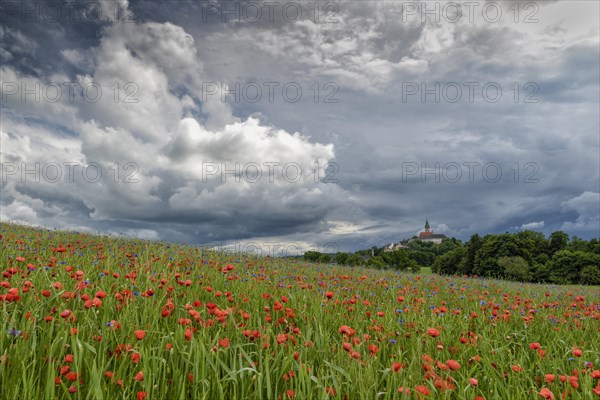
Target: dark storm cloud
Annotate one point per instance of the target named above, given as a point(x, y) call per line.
point(375, 134)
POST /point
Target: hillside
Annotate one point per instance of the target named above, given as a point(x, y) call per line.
point(88, 316)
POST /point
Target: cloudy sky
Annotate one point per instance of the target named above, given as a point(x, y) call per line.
point(332, 125)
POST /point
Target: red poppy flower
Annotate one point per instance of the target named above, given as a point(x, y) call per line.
point(433, 332)
point(453, 365)
point(373, 349)
point(574, 382)
point(135, 357)
point(546, 394)
point(402, 389)
point(541, 353)
point(140, 334)
point(281, 338)
point(71, 376)
point(345, 329)
point(423, 390)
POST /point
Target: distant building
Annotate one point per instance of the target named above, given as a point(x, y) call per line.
point(395, 246)
point(429, 236)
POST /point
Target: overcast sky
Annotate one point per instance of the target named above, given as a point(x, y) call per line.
point(333, 125)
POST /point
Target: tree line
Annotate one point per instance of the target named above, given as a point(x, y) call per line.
point(417, 254)
point(526, 256)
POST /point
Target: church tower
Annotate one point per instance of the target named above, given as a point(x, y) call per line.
point(429, 236)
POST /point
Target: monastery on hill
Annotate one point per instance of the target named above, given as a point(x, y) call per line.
point(429, 236)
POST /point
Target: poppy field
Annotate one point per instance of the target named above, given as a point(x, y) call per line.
point(97, 317)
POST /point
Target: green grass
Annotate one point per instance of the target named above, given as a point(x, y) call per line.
point(275, 297)
point(425, 270)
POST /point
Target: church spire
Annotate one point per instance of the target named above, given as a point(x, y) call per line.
point(427, 226)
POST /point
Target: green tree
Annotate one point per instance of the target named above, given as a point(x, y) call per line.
point(594, 246)
point(558, 242)
point(590, 275)
point(532, 243)
point(577, 244)
point(540, 268)
point(515, 268)
point(493, 247)
point(355, 259)
point(376, 262)
point(566, 266)
point(341, 258)
point(446, 246)
point(418, 244)
point(398, 259)
point(449, 263)
point(473, 246)
point(325, 258)
point(540, 272)
point(424, 258)
point(413, 266)
point(312, 256)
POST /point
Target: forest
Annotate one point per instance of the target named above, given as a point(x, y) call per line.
point(526, 256)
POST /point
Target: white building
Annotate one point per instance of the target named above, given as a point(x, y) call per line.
point(429, 236)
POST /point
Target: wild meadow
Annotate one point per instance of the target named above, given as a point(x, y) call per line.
point(97, 317)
